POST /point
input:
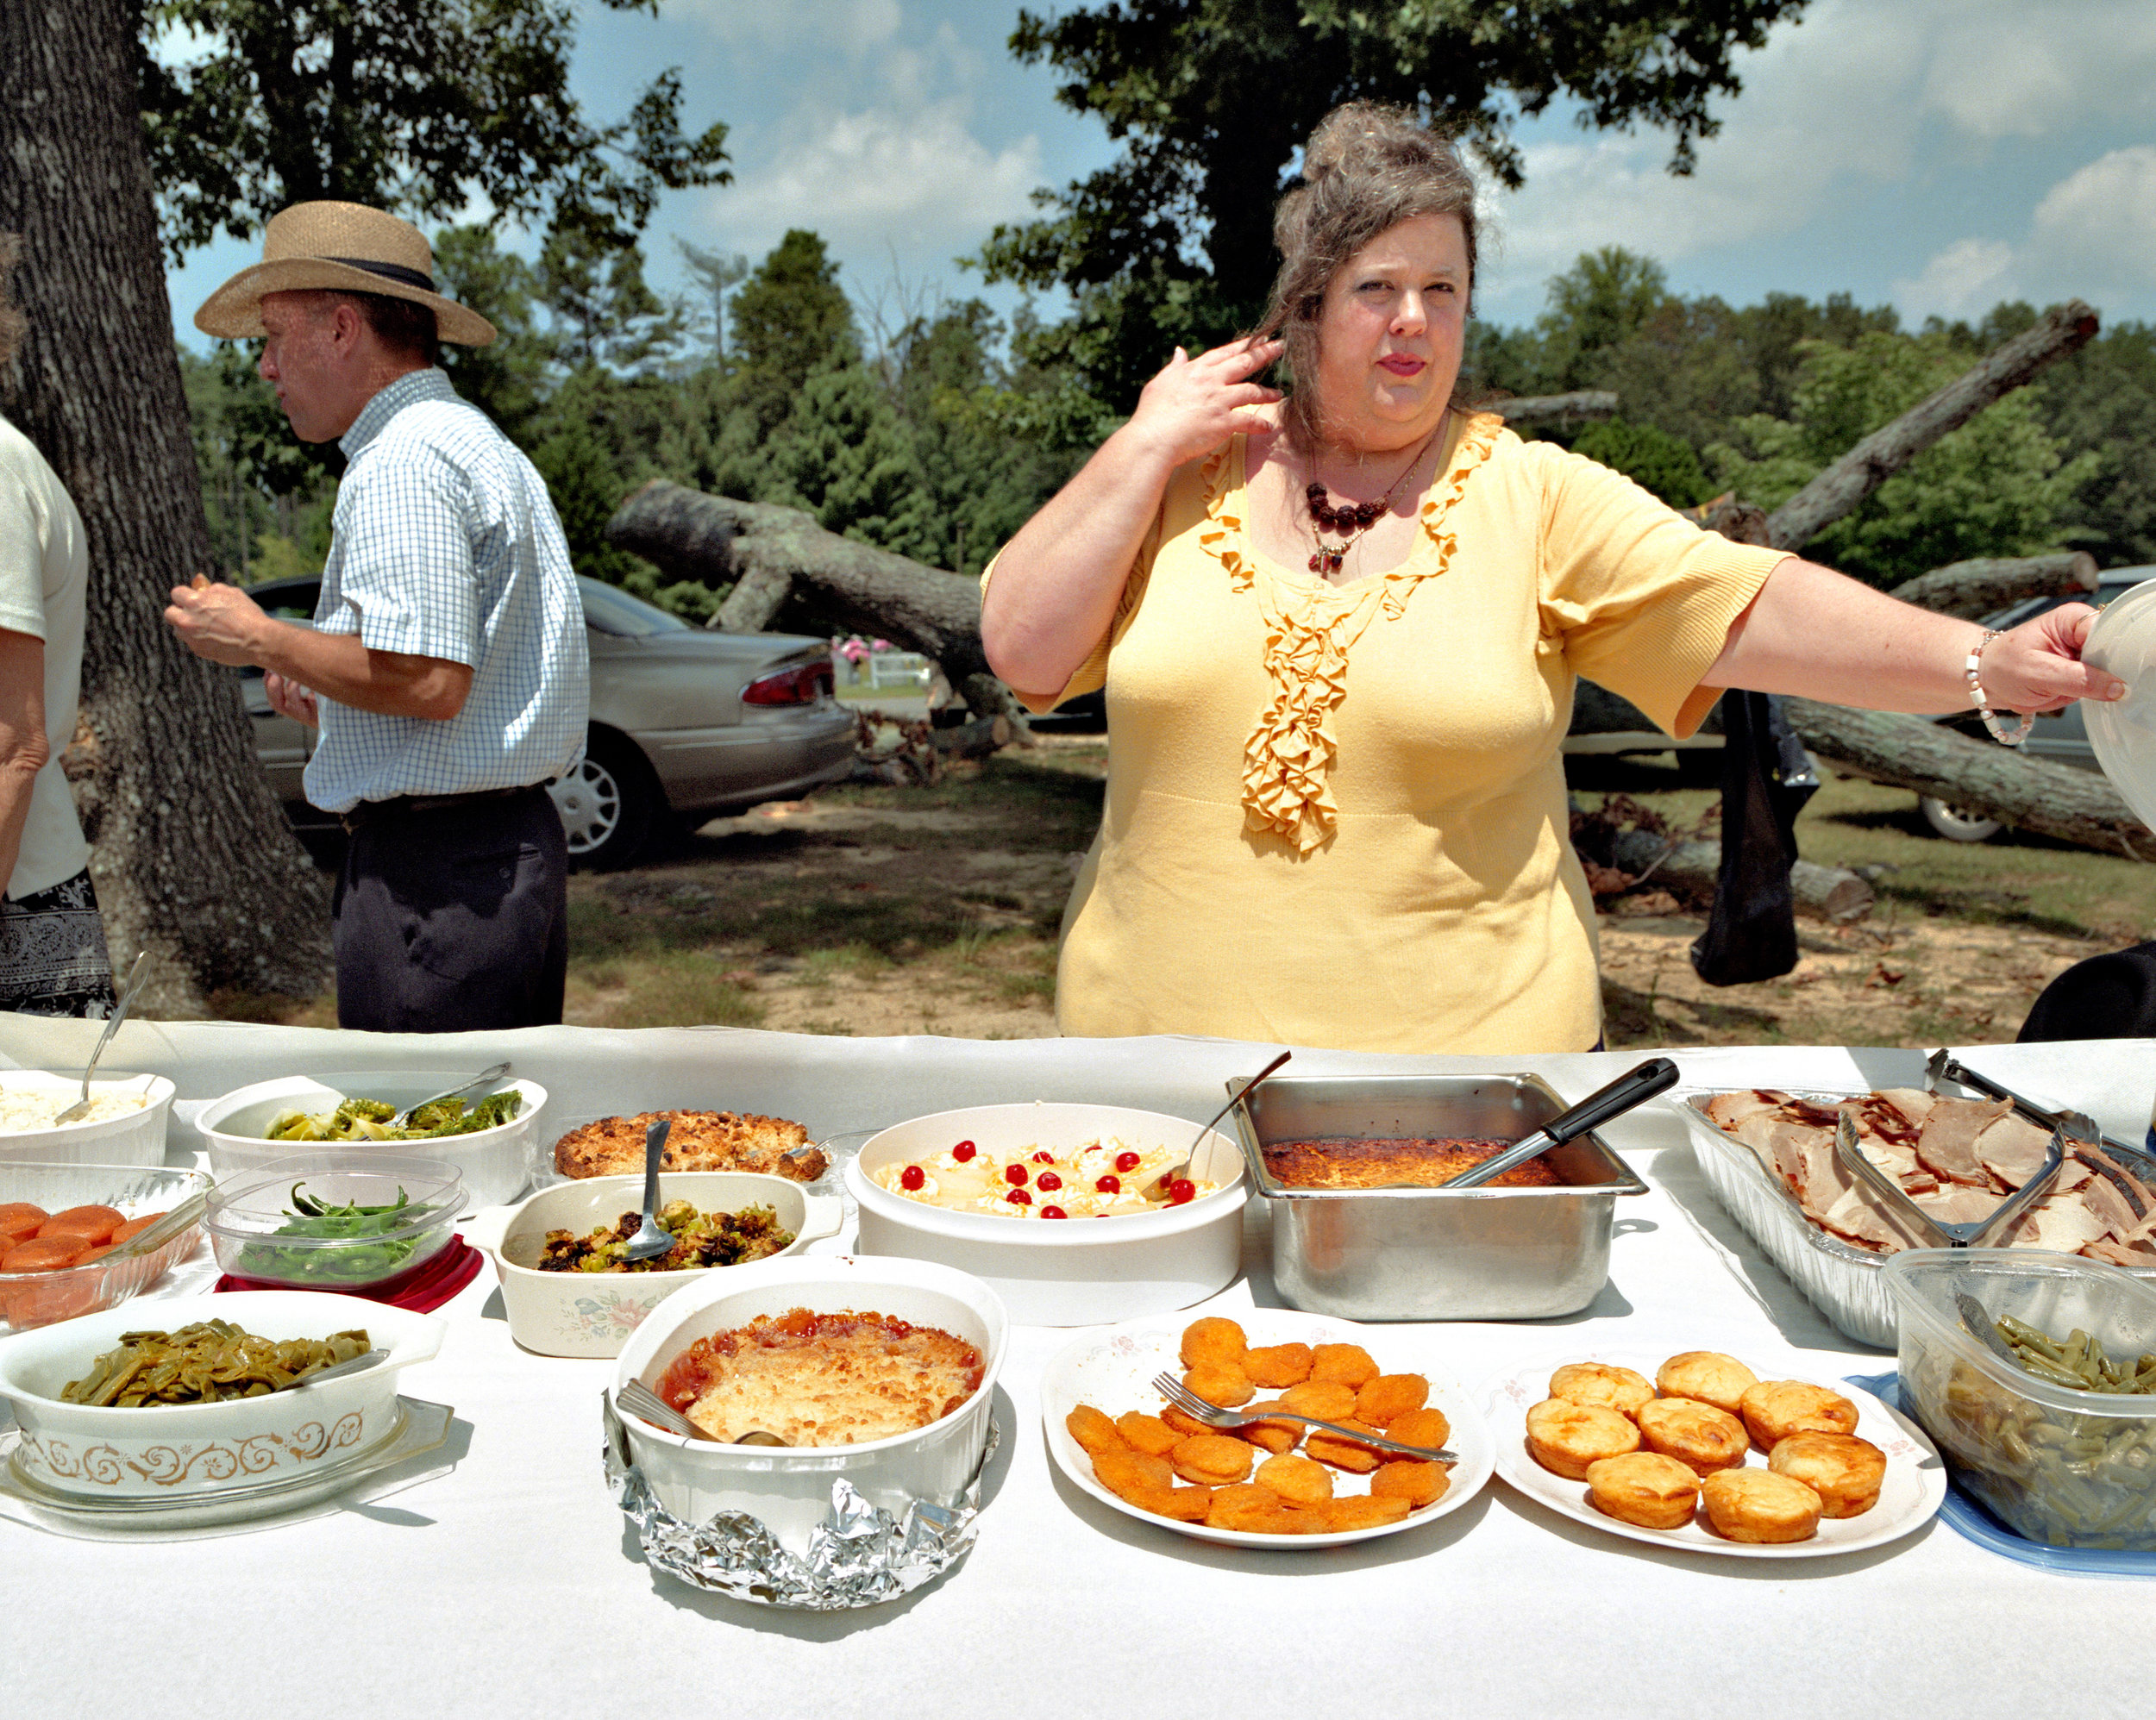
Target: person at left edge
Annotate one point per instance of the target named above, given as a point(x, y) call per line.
point(446, 665)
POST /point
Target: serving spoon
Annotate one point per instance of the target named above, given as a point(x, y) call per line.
point(1176, 1167)
point(402, 1118)
point(652, 1239)
point(1632, 1088)
point(642, 1401)
point(136, 975)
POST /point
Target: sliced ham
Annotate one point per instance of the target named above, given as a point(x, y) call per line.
point(1887, 1140)
point(2141, 1255)
point(2013, 1149)
point(2107, 1206)
point(1947, 1145)
point(1728, 1109)
point(1957, 1203)
point(1914, 1102)
point(2061, 1223)
point(1856, 1217)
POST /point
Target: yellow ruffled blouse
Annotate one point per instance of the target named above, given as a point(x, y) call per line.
point(1336, 815)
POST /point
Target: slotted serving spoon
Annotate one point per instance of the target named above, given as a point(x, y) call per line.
point(1633, 1087)
point(136, 975)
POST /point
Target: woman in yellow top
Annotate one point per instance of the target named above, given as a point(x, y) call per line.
point(1339, 632)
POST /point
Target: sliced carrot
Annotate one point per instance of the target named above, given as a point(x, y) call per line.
point(94, 1224)
point(43, 1253)
point(135, 1227)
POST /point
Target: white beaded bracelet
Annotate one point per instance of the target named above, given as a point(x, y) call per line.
point(2003, 737)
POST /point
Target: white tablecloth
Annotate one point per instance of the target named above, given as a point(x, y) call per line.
point(513, 1585)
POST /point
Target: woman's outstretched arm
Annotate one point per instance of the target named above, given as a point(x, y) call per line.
point(1057, 581)
point(1820, 634)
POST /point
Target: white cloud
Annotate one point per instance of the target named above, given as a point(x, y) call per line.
point(850, 26)
point(2003, 69)
point(1964, 278)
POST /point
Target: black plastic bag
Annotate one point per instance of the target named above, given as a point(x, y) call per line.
point(1767, 777)
point(2107, 997)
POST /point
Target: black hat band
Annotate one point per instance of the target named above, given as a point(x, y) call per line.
point(388, 271)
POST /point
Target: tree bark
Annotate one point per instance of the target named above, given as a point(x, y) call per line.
point(1844, 485)
point(1979, 776)
point(1825, 892)
point(191, 857)
point(1549, 408)
point(1974, 590)
point(829, 584)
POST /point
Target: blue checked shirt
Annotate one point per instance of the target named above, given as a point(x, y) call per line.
point(447, 545)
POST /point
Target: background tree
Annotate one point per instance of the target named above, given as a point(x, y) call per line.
point(1211, 100)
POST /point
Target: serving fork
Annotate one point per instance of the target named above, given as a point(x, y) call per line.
point(1215, 1416)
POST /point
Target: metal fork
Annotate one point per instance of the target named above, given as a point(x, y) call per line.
point(1215, 1416)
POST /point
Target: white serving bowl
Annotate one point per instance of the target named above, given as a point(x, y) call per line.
point(496, 1163)
point(1082, 1272)
point(789, 1489)
point(136, 1137)
point(578, 1313)
point(189, 1450)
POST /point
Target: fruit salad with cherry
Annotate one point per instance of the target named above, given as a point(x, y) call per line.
point(1106, 1178)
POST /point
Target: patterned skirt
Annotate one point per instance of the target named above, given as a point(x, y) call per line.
point(53, 956)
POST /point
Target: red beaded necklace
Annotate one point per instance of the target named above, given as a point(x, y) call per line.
point(1354, 519)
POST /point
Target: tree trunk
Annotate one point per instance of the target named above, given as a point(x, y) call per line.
point(1549, 408)
point(192, 857)
point(1825, 892)
point(1974, 590)
point(1844, 485)
point(793, 573)
point(1979, 776)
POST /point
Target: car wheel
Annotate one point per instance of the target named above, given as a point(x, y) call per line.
point(607, 803)
point(1957, 826)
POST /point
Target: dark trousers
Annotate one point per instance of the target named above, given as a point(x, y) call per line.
point(453, 919)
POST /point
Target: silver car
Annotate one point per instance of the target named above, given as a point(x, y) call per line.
point(686, 723)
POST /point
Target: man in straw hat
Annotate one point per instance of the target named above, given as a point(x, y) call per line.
point(446, 665)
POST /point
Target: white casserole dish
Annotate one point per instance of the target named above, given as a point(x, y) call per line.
point(136, 1137)
point(789, 1489)
point(591, 1314)
point(1081, 1272)
point(192, 1450)
point(496, 1163)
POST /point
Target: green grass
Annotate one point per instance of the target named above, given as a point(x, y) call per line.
point(673, 986)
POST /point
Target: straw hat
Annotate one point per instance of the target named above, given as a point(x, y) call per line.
point(344, 248)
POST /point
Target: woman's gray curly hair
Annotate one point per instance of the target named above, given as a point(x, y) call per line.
point(1366, 169)
point(13, 325)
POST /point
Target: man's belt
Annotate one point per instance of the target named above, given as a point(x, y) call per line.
point(422, 805)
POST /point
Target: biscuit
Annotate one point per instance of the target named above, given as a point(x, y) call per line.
point(1697, 1435)
point(1845, 1472)
point(1643, 1487)
point(1348, 1365)
point(1212, 1339)
point(1756, 1505)
point(1565, 1438)
point(1278, 1365)
point(1389, 1397)
point(1775, 1409)
point(1299, 1480)
point(1142, 1432)
point(1212, 1460)
point(1601, 1387)
point(1219, 1382)
point(1708, 1377)
point(1406, 1478)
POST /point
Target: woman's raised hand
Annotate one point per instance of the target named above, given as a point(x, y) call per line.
point(2037, 666)
point(1195, 404)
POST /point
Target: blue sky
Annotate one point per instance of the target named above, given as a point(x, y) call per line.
point(1935, 154)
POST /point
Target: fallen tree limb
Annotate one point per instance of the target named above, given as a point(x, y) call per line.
point(1844, 485)
point(1974, 590)
point(1824, 892)
point(1976, 776)
point(1545, 408)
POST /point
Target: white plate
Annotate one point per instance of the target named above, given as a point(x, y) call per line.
point(422, 1426)
point(2122, 642)
point(1915, 1480)
point(1113, 1370)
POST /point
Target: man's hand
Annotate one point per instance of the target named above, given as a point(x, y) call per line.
point(221, 623)
point(288, 698)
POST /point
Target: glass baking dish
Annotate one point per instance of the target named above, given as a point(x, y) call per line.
point(29, 1299)
point(1838, 1279)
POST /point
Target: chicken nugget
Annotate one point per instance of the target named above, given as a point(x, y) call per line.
point(1344, 1453)
point(1093, 1430)
point(1365, 1511)
point(1278, 1365)
point(1129, 1473)
point(1298, 1480)
point(1212, 1460)
point(1220, 1382)
point(1212, 1339)
point(1404, 1477)
point(1425, 1427)
point(1348, 1365)
point(1149, 1433)
point(1185, 1426)
point(1276, 1436)
point(1184, 1505)
point(1601, 1386)
point(1389, 1397)
point(1250, 1508)
point(1327, 1400)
